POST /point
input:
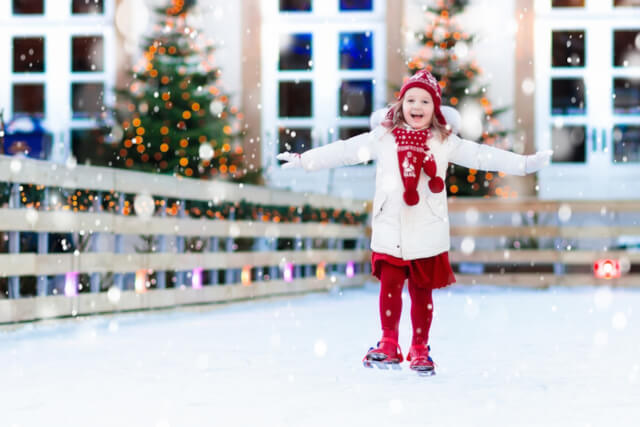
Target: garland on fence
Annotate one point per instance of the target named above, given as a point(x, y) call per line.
point(33, 196)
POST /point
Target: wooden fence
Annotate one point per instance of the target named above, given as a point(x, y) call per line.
point(169, 274)
point(552, 234)
point(541, 245)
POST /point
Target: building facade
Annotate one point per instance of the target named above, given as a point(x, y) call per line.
point(308, 72)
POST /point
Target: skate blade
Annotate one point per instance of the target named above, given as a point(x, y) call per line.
point(425, 372)
point(381, 365)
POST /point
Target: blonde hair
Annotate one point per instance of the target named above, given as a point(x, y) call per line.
point(396, 118)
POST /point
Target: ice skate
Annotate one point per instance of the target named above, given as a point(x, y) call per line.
point(420, 360)
point(386, 354)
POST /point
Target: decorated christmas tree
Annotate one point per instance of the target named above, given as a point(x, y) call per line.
point(174, 116)
point(445, 51)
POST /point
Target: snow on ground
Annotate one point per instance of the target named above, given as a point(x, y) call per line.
point(504, 357)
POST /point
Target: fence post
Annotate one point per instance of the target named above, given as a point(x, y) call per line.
point(14, 241)
point(308, 246)
point(94, 279)
point(339, 268)
point(161, 276)
point(213, 247)
point(273, 270)
point(118, 278)
point(180, 275)
point(43, 248)
point(229, 272)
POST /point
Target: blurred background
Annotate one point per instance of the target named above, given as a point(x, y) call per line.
point(294, 74)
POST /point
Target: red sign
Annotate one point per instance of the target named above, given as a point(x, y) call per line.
point(606, 269)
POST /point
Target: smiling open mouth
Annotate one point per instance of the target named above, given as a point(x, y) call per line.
point(417, 116)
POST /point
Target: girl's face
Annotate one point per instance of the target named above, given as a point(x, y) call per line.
point(417, 108)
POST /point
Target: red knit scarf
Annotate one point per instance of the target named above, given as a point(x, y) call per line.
point(413, 156)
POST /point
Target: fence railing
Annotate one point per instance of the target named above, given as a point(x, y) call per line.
point(136, 241)
point(546, 243)
point(132, 240)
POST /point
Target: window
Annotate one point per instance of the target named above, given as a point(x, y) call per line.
point(567, 96)
point(567, 49)
point(295, 140)
point(28, 7)
point(626, 95)
point(295, 52)
point(87, 54)
point(567, 3)
point(87, 7)
point(626, 144)
point(349, 132)
point(295, 5)
point(87, 99)
point(626, 46)
point(28, 98)
point(356, 51)
point(356, 5)
point(356, 98)
point(28, 54)
point(295, 99)
point(626, 3)
point(89, 145)
point(569, 144)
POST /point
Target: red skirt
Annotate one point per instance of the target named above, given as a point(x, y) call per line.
point(432, 273)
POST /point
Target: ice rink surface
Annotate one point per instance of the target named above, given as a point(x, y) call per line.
point(505, 357)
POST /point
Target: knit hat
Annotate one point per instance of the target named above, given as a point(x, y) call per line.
point(424, 80)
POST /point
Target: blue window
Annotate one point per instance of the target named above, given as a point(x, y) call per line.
point(356, 98)
point(295, 140)
point(295, 5)
point(356, 4)
point(627, 96)
point(356, 51)
point(567, 96)
point(626, 144)
point(295, 52)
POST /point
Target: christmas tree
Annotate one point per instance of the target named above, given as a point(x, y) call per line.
point(444, 52)
point(174, 116)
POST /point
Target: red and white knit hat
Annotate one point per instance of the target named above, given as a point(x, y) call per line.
point(424, 80)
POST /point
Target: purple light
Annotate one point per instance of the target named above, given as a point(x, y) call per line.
point(71, 284)
point(351, 269)
point(288, 272)
point(196, 278)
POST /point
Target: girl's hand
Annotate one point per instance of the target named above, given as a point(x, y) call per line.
point(537, 161)
point(293, 160)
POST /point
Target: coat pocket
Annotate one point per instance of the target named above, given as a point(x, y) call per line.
point(438, 206)
point(378, 205)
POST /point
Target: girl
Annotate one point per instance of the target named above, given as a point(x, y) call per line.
point(410, 228)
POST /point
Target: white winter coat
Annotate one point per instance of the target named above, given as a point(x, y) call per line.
point(400, 230)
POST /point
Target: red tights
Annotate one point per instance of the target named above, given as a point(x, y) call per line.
point(391, 283)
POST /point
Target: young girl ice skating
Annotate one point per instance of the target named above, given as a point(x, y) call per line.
point(410, 228)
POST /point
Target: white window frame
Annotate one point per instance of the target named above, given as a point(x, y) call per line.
point(57, 25)
point(599, 177)
point(325, 23)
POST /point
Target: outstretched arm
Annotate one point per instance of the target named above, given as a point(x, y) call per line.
point(358, 149)
point(484, 157)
